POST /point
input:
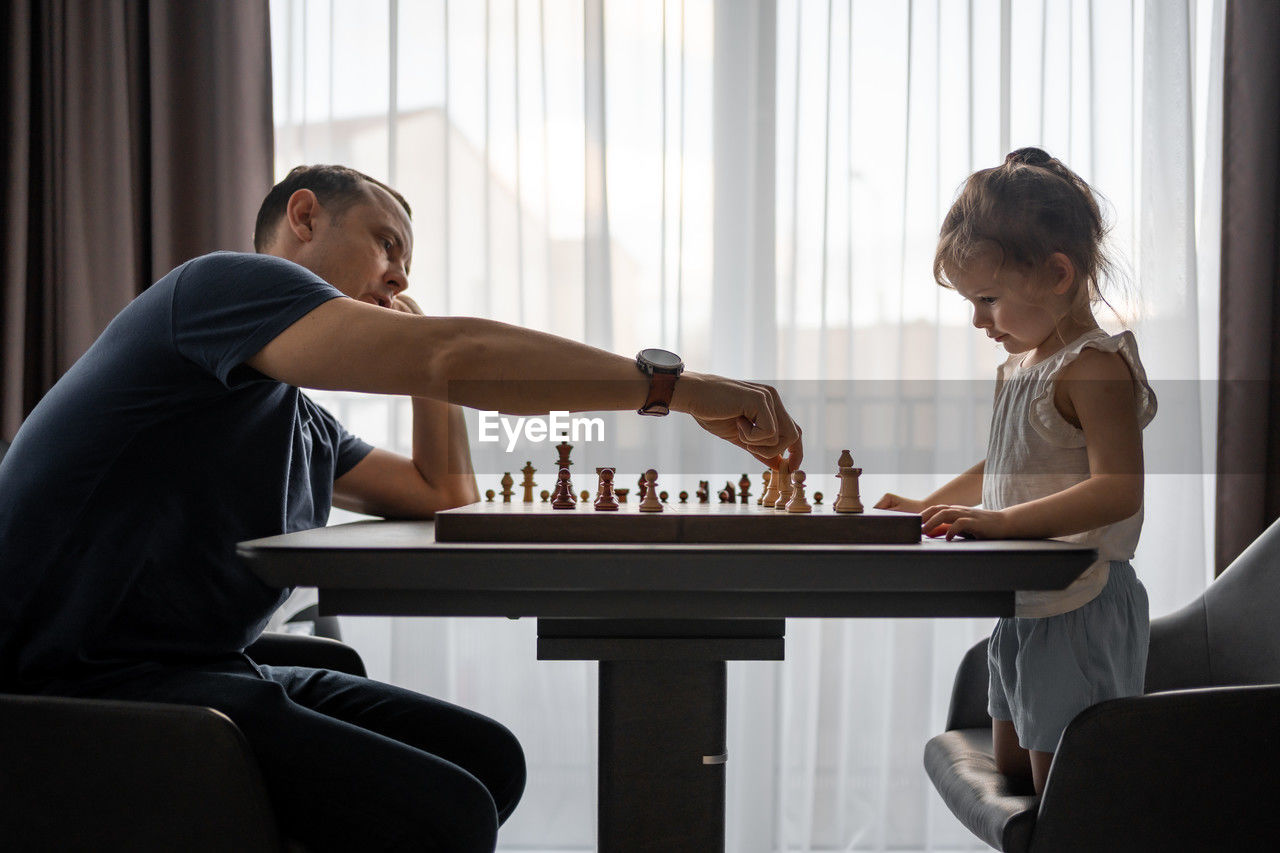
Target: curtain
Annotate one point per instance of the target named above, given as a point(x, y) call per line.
point(139, 135)
point(1249, 401)
point(758, 187)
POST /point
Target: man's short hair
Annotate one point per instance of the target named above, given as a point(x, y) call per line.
point(337, 188)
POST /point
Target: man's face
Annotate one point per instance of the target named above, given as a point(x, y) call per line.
point(364, 250)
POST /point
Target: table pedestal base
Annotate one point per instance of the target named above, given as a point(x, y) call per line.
point(662, 722)
point(662, 756)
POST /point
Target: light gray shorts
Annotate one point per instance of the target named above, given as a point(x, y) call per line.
point(1045, 671)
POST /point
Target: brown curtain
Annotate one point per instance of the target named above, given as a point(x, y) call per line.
point(139, 135)
point(1248, 497)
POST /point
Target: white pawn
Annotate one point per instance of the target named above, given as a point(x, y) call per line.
point(651, 502)
point(797, 502)
point(783, 476)
point(770, 494)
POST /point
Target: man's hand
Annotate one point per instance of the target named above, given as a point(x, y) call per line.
point(747, 414)
point(967, 521)
point(405, 304)
point(899, 503)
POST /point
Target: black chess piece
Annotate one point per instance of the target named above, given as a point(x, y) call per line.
point(563, 498)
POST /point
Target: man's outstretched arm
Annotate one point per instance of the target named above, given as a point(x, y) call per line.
point(348, 345)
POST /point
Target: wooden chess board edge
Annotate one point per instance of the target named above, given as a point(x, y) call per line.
point(475, 524)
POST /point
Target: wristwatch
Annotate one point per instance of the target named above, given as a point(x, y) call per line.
point(663, 368)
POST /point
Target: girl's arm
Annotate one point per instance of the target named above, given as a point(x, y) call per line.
point(1096, 392)
point(965, 489)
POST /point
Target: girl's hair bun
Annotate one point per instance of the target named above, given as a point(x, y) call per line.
point(1029, 157)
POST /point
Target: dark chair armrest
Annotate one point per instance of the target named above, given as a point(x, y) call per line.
point(969, 691)
point(1182, 770)
point(79, 774)
point(279, 649)
point(961, 765)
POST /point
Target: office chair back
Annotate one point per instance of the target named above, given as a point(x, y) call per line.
point(1230, 633)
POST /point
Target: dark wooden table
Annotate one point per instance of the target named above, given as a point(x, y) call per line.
point(662, 620)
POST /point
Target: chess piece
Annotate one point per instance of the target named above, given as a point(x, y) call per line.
point(651, 502)
point(562, 452)
point(622, 495)
point(584, 495)
point(507, 483)
point(727, 495)
point(563, 463)
point(703, 492)
point(770, 494)
point(488, 495)
point(563, 498)
point(684, 497)
point(662, 496)
point(544, 494)
point(817, 498)
point(798, 502)
point(847, 499)
point(767, 480)
point(744, 489)
point(527, 483)
point(783, 477)
point(606, 500)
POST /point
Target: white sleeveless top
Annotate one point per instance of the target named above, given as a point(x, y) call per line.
point(1033, 452)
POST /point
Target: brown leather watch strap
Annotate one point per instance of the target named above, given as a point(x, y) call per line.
point(661, 387)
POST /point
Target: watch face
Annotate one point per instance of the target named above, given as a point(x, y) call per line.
point(661, 359)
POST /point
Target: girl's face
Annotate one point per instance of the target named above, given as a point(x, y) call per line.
point(1024, 311)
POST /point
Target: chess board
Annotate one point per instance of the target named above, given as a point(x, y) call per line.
point(689, 523)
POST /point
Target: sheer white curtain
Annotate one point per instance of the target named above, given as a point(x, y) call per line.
point(758, 186)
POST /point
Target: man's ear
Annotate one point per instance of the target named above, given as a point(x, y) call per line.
point(1062, 272)
point(300, 214)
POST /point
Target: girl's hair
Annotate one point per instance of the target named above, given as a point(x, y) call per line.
point(1027, 208)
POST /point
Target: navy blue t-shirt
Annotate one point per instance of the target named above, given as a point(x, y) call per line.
point(127, 488)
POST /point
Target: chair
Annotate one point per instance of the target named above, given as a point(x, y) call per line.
point(1194, 764)
point(91, 774)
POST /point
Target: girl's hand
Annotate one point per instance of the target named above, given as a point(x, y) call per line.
point(953, 521)
point(899, 503)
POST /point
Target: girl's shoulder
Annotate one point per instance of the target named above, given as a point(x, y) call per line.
point(1095, 356)
point(1102, 357)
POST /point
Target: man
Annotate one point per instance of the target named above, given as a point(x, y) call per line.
point(182, 431)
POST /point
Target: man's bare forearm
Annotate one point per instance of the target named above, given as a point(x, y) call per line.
point(442, 452)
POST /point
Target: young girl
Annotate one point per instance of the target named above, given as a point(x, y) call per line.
point(1023, 244)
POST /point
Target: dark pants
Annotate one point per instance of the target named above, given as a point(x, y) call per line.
point(354, 764)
